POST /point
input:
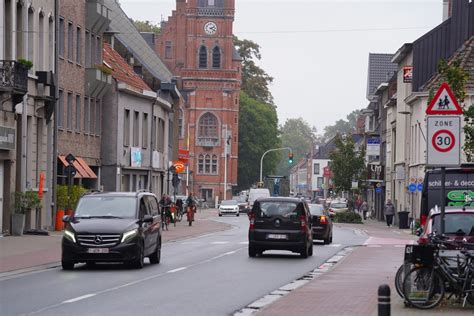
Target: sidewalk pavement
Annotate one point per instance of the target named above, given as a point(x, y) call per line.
point(350, 288)
point(29, 251)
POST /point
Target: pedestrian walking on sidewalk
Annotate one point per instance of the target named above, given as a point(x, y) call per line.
point(389, 211)
point(364, 208)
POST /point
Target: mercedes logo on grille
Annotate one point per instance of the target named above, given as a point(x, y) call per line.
point(98, 239)
point(277, 223)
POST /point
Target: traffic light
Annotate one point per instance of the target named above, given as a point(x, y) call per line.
point(290, 158)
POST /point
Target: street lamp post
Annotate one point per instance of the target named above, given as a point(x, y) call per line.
point(270, 150)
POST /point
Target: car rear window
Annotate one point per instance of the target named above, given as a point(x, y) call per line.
point(461, 223)
point(316, 209)
point(278, 208)
point(338, 205)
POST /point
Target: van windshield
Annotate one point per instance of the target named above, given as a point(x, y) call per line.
point(272, 208)
point(106, 206)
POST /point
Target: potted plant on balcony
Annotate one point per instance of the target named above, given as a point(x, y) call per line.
point(28, 64)
point(24, 202)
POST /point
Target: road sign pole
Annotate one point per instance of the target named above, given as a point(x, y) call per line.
point(443, 198)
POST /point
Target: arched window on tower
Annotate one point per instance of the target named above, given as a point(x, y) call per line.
point(216, 57)
point(203, 57)
point(208, 135)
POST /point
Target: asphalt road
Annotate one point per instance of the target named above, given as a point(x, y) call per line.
point(206, 275)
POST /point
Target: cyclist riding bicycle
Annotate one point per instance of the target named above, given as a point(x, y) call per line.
point(191, 208)
point(165, 204)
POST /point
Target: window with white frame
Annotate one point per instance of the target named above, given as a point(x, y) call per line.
point(207, 164)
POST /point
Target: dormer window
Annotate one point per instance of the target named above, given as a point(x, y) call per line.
point(211, 3)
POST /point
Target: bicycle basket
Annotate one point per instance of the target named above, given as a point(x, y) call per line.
point(419, 254)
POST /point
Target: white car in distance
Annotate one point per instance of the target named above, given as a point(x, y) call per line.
point(229, 207)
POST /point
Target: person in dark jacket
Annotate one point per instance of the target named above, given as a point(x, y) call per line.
point(389, 211)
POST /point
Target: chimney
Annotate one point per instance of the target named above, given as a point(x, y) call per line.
point(447, 9)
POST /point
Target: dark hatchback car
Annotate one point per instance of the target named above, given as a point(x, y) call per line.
point(280, 224)
point(321, 223)
point(113, 227)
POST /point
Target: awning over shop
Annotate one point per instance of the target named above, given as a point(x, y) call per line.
point(83, 169)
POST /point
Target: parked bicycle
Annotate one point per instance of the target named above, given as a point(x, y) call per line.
point(439, 269)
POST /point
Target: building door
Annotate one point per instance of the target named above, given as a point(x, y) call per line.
point(206, 194)
point(2, 179)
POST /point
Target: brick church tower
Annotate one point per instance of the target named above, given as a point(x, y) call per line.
point(196, 45)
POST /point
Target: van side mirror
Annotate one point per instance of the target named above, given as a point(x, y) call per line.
point(419, 231)
point(66, 219)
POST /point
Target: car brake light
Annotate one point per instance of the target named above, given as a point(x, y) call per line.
point(422, 241)
point(303, 223)
point(423, 220)
point(323, 220)
point(252, 221)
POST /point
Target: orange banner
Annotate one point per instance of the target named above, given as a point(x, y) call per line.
point(41, 185)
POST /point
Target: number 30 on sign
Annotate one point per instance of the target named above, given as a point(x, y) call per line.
point(443, 141)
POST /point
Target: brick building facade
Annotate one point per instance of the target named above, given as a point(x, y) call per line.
point(196, 45)
point(82, 83)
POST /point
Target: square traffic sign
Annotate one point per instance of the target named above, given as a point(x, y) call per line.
point(443, 141)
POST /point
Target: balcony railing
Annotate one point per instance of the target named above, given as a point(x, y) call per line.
point(13, 77)
point(207, 142)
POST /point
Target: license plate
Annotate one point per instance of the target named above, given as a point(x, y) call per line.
point(98, 250)
point(276, 236)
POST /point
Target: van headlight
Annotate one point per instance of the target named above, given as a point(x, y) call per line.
point(69, 235)
point(129, 235)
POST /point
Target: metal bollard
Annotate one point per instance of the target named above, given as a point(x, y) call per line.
point(384, 300)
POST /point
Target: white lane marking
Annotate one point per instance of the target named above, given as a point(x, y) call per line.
point(367, 241)
point(399, 246)
point(83, 297)
point(219, 242)
point(230, 252)
point(243, 243)
point(115, 288)
point(190, 243)
point(176, 270)
point(333, 245)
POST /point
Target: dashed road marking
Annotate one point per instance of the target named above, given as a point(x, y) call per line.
point(219, 242)
point(83, 297)
point(243, 243)
point(177, 270)
point(333, 245)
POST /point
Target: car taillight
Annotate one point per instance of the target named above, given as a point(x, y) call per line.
point(422, 241)
point(303, 223)
point(252, 221)
point(323, 220)
point(423, 220)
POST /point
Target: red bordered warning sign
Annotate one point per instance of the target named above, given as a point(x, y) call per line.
point(444, 102)
point(443, 140)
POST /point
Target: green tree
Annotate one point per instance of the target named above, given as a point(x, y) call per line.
point(342, 126)
point(146, 26)
point(300, 136)
point(255, 81)
point(347, 164)
point(456, 76)
point(258, 132)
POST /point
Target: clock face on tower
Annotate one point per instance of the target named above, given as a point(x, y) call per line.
point(210, 28)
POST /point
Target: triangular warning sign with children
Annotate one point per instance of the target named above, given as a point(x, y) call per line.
point(444, 102)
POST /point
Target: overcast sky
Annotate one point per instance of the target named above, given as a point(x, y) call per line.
point(316, 50)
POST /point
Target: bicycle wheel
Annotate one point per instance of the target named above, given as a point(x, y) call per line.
point(399, 276)
point(423, 288)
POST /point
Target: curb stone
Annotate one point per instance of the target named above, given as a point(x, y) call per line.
point(284, 290)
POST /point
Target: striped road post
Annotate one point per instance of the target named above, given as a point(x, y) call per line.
point(384, 300)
